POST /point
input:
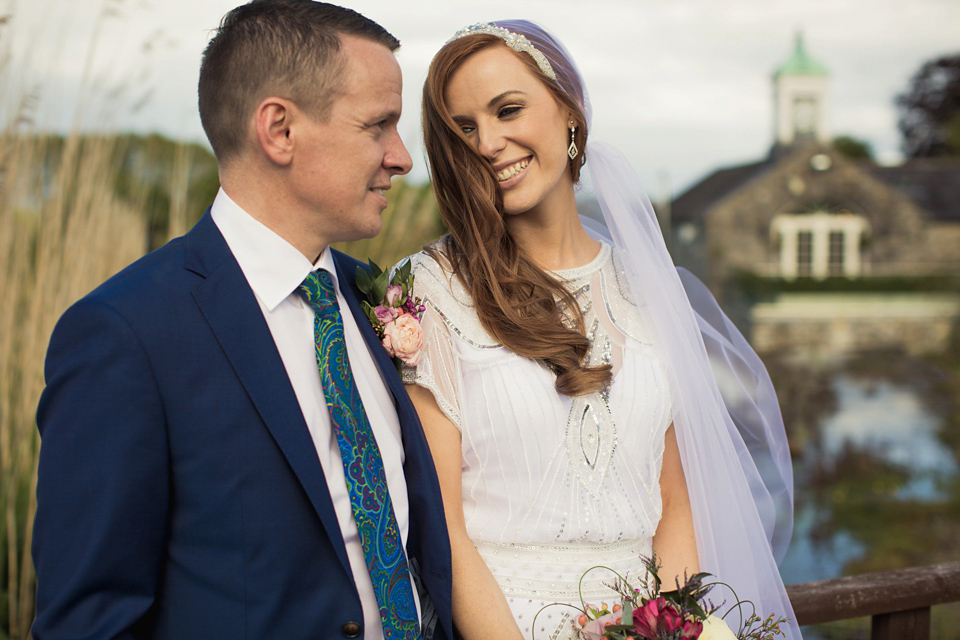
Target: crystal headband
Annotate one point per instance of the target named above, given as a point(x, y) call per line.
point(516, 41)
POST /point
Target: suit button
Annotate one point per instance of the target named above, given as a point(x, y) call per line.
point(351, 630)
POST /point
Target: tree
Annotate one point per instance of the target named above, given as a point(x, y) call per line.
point(853, 148)
point(930, 110)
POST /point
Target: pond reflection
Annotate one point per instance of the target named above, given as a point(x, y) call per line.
point(890, 422)
point(877, 487)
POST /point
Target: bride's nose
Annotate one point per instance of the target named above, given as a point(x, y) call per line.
point(490, 141)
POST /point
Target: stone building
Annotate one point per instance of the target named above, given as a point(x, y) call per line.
point(808, 213)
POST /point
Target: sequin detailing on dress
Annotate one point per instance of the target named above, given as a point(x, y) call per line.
point(573, 481)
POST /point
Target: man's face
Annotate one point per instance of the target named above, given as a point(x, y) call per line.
point(342, 166)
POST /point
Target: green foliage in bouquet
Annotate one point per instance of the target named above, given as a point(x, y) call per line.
point(684, 613)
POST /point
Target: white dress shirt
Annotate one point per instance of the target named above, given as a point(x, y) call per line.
point(274, 269)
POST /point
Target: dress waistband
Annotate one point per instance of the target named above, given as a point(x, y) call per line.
point(554, 571)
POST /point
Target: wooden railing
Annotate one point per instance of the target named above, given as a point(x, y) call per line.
point(898, 601)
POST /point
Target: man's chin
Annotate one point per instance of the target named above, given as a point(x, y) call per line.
point(365, 232)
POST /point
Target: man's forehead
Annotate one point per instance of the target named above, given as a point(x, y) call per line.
point(355, 50)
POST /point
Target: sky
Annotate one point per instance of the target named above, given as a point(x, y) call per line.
point(682, 87)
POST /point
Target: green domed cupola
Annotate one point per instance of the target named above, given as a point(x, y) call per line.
point(800, 63)
point(800, 97)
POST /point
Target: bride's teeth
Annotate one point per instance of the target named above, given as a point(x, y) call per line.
point(512, 170)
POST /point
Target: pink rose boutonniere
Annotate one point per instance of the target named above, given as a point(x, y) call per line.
point(393, 311)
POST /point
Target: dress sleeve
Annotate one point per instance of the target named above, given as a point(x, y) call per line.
point(438, 369)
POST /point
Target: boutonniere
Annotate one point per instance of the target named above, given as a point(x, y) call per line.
point(393, 310)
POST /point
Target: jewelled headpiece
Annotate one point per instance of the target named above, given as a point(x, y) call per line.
point(516, 41)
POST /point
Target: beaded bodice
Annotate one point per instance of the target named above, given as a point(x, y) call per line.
point(539, 466)
point(552, 484)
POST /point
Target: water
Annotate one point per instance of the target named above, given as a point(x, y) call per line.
point(889, 422)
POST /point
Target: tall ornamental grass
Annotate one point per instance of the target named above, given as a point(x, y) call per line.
point(75, 209)
point(62, 232)
point(70, 217)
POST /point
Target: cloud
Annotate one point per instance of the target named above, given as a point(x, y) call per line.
point(682, 85)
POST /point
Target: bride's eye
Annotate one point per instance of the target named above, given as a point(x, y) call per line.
point(506, 112)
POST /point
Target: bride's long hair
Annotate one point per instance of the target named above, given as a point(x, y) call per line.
point(518, 303)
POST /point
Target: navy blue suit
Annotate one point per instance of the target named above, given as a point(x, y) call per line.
point(180, 495)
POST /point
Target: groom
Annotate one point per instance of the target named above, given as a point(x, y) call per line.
point(197, 420)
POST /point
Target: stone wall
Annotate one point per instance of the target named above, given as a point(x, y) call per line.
point(829, 327)
point(898, 241)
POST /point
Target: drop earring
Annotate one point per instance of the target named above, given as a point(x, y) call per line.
point(572, 150)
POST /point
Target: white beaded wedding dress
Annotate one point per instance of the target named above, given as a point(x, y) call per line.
point(552, 484)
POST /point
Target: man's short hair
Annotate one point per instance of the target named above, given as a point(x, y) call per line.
point(284, 48)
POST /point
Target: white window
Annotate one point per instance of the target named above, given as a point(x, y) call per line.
point(835, 253)
point(805, 253)
point(819, 245)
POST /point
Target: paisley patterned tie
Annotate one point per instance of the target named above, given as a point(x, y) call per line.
point(362, 465)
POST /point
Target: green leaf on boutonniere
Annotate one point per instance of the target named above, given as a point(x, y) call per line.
point(374, 268)
point(403, 272)
point(371, 315)
point(364, 281)
point(380, 284)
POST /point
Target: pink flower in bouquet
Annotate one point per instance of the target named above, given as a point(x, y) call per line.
point(658, 615)
point(394, 292)
point(691, 630)
point(403, 339)
point(386, 314)
point(671, 619)
point(594, 629)
point(646, 619)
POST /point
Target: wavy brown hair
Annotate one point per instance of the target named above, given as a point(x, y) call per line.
point(518, 303)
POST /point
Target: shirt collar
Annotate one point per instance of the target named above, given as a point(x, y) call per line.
point(272, 266)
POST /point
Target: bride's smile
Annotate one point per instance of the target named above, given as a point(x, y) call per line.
point(510, 118)
point(509, 170)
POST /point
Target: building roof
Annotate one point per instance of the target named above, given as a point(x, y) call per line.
point(693, 203)
point(800, 63)
point(933, 183)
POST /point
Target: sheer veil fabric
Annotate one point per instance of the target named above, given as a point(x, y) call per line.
point(728, 424)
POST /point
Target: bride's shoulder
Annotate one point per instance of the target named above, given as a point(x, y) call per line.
point(434, 278)
point(430, 261)
point(445, 297)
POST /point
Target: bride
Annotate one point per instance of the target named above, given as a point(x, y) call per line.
point(570, 393)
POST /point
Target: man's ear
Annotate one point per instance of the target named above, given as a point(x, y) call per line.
point(273, 120)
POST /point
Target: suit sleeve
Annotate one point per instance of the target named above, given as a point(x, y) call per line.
point(103, 490)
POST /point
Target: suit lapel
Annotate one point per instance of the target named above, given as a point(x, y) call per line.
point(231, 309)
point(428, 542)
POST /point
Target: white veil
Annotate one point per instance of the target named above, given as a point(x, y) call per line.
point(728, 423)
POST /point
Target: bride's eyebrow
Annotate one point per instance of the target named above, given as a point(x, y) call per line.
point(503, 96)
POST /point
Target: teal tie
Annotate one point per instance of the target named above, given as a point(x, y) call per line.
point(362, 465)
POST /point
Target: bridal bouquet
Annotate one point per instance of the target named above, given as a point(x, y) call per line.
point(681, 614)
point(393, 311)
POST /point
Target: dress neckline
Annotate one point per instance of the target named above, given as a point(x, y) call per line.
point(575, 273)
